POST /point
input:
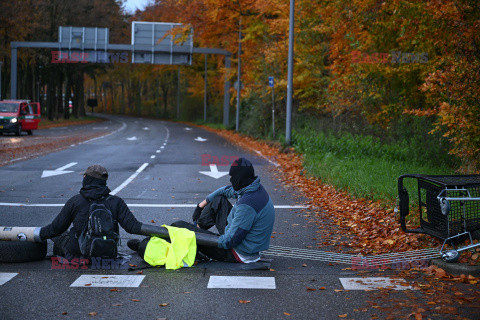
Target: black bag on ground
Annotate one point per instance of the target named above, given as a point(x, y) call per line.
point(100, 238)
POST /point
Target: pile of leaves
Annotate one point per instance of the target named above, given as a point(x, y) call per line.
point(436, 294)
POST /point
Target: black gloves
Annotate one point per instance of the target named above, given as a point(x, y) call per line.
point(197, 213)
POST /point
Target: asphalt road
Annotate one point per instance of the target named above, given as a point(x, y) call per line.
point(165, 160)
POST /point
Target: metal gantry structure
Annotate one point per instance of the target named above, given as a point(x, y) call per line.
point(151, 44)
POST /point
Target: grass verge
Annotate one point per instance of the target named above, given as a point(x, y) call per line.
point(361, 165)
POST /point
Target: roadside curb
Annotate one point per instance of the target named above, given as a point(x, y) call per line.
point(456, 268)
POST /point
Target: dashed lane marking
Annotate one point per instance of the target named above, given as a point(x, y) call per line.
point(374, 284)
point(236, 282)
point(130, 281)
point(6, 276)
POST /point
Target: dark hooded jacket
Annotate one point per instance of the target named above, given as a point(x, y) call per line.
point(76, 211)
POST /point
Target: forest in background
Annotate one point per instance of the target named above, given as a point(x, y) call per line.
point(404, 71)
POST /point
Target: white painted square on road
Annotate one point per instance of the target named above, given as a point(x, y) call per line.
point(374, 284)
point(235, 282)
point(6, 276)
point(132, 281)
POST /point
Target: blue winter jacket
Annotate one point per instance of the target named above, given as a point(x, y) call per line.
point(250, 222)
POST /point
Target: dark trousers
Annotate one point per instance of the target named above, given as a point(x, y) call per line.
point(215, 253)
point(65, 245)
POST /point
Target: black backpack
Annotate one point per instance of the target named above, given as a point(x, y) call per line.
point(100, 237)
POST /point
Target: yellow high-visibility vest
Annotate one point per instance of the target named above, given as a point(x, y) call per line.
point(179, 253)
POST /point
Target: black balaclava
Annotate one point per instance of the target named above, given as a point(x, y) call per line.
point(93, 188)
point(241, 173)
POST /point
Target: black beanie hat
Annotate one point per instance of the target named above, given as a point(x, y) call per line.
point(242, 173)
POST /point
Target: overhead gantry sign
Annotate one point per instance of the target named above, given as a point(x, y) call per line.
point(152, 43)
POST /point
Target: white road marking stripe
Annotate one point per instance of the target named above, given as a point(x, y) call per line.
point(158, 151)
point(33, 155)
point(374, 284)
point(131, 281)
point(152, 157)
point(162, 147)
point(126, 182)
point(235, 282)
point(137, 205)
point(272, 162)
point(6, 276)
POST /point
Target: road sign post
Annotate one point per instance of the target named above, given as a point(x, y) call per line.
point(271, 84)
point(288, 131)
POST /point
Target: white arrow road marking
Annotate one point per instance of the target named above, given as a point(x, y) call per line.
point(214, 173)
point(200, 139)
point(132, 138)
point(59, 171)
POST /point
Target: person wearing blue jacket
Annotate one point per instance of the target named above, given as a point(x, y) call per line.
point(250, 222)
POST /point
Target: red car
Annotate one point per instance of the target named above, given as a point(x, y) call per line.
point(19, 115)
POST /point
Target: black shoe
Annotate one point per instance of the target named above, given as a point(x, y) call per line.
point(133, 244)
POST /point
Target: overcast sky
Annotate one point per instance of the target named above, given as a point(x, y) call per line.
point(132, 5)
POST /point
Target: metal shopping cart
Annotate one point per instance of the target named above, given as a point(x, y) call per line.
point(448, 207)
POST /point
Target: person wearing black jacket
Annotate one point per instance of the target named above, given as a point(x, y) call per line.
point(76, 213)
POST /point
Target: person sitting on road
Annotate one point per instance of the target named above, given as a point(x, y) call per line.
point(249, 223)
point(77, 211)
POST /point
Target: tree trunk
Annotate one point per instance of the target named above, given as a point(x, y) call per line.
point(66, 107)
point(122, 100)
point(81, 96)
point(50, 95)
point(59, 102)
point(139, 99)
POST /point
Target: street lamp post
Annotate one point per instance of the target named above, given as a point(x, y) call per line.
point(288, 131)
point(205, 92)
point(239, 81)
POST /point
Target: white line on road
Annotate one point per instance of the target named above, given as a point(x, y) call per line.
point(152, 157)
point(6, 276)
point(374, 284)
point(124, 125)
point(133, 205)
point(235, 282)
point(158, 151)
point(126, 182)
point(33, 155)
point(266, 158)
point(130, 281)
